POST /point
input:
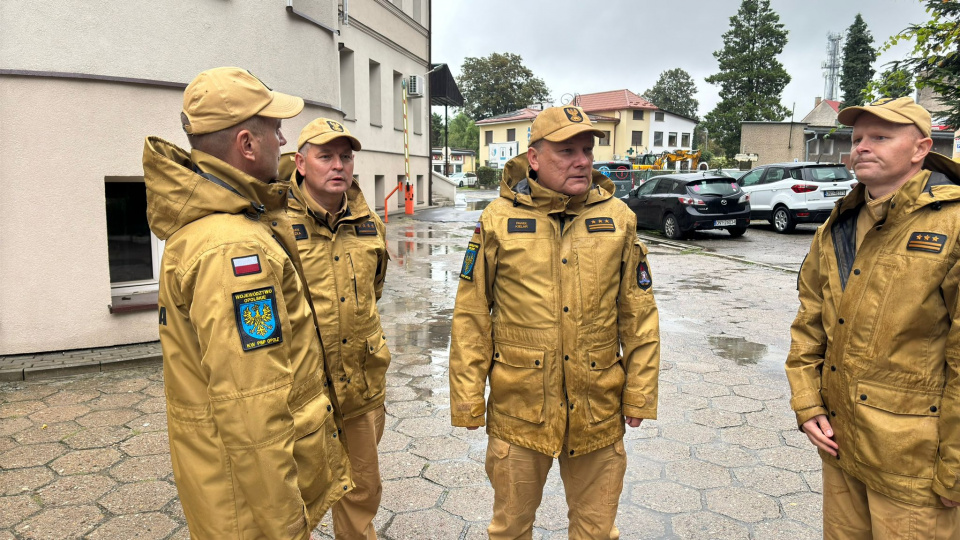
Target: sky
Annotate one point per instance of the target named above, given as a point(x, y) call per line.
point(615, 44)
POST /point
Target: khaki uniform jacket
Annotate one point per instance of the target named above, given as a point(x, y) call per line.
point(253, 439)
point(876, 342)
point(555, 307)
point(345, 269)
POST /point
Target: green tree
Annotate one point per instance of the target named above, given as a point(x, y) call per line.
point(894, 82)
point(858, 58)
point(674, 92)
point(935, 59)
point(498, 84)
point(436, 130)
point(750, 78)
point(464, 133)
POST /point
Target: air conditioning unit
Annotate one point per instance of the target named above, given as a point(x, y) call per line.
point(415, 86)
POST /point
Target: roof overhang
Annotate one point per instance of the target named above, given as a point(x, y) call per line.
point(443, 87)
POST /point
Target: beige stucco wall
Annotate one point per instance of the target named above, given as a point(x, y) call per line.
point(172, 40)
point(383, 151)
point(61, 136)
point(772, 142)
point(56, 151)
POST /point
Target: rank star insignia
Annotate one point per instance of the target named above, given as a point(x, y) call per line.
point(601, 224)
point(926, 241)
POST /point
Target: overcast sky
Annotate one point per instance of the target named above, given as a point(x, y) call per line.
point(615, 44)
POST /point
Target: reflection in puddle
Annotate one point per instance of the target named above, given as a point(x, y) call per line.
point(478, 205)
point(738, 349)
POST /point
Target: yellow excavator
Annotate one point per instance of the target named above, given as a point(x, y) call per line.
point(658, 162)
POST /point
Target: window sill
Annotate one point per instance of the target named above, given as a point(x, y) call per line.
point(376, 125)
point(129, 303)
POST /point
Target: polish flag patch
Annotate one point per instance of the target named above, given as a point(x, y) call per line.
point(243, 266)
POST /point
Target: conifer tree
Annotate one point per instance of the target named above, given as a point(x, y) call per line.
point(857, 67)
point(751, 79)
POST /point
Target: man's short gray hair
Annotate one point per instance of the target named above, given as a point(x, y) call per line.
point(218, 143)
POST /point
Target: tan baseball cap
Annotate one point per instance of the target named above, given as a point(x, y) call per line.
point(560, 123)
point(324, 130)
point(896, 110)
point(223, 97)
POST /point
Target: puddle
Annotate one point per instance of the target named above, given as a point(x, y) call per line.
point(477, 205)
point(701, 286)
point(739, 350)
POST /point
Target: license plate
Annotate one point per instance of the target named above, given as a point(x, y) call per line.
point(724, 222)
point(834, 192)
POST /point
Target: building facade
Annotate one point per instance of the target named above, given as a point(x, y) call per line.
point(78, 263)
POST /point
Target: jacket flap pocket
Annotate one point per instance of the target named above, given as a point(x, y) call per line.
point(898, 400)
point(518, 356)
point(604, 357)
point(375, 342)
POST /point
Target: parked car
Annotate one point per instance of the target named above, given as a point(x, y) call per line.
point(464, 178)
point(680, 203)
point(786, 194)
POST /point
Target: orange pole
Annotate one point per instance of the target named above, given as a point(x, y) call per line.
point(386, 203)
point(408, 193)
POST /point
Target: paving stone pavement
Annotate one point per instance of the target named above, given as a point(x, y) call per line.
point(87, 455)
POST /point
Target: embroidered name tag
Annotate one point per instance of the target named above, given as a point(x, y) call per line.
point(521, 225)
point(300, 231)
point(601, 224)
point(926, 241)
point(469, 261)
point(256, 313)
point(367, 228)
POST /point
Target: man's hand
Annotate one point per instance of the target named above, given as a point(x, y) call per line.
point(820, 433)
point(632, 422)
point(948, 503)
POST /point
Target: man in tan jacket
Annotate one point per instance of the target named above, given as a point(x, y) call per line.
point(343, 248)
point(874, 364)
point(555, 306)
point(255, 448)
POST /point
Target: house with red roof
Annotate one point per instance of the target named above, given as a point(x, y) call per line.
point(633, 126)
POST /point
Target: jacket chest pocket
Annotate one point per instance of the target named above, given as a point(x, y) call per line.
point(897, 429)
point(866, 334)
point(606, 378)
point(598, 272)
point(362, 264)
point(517, 382)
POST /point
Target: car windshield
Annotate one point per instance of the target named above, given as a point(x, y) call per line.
point(713, 186)
point(829, 174)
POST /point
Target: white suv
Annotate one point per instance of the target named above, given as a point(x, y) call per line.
point(789, 193)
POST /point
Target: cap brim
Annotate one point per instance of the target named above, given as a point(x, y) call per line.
point(567, 132)
point(849, 115)
point(324, 138)
point(282, 106)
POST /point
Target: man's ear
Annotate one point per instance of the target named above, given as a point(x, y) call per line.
point(247, 145)
point(923, 148)
point(533, 158)
point(301, 164)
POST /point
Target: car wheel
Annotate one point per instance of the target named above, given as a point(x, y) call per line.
point(782, 222)
point(671, 229)
point(737, 232)
point(461, 183)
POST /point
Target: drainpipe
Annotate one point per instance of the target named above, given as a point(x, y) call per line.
point(806, 146)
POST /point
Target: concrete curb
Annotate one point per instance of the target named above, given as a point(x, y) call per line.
point(48, 369)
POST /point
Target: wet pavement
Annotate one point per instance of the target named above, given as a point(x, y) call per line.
point(86, 456)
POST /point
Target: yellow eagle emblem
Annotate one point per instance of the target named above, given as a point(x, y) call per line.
point(258, 319)
point(573, 114)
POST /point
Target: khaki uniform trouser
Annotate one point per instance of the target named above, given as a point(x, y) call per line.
point(592, 483)
point(353, 514)
point(852, 511)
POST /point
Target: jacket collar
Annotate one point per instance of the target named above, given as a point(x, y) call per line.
point(519, 185)
point(937, 182)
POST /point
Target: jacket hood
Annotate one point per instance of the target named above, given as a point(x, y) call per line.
point(358, 210)
point(519, 185)
point(182, 187)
